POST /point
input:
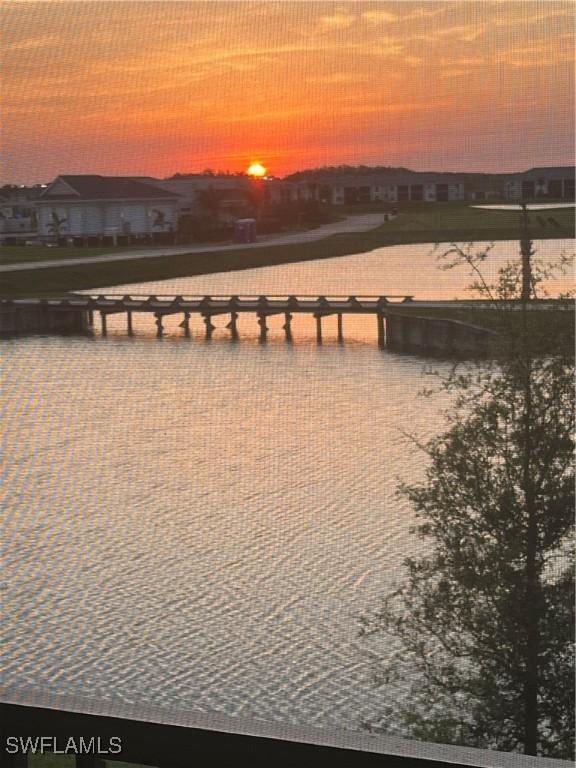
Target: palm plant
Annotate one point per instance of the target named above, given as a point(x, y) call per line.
point(56, 224)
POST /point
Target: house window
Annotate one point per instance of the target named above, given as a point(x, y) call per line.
point(416, 192)
point(442, 192)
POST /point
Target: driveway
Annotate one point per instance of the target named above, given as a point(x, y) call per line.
point(361, 223)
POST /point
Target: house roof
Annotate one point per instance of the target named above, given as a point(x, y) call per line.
point(552, 172)
point(189, 186)
point(106, 188)
point(388, 179)
point(17, 195)
point(394, 176)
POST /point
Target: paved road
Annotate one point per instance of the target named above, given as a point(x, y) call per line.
point(362, 223)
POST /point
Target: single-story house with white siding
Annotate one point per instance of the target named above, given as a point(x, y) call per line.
point(106, 210)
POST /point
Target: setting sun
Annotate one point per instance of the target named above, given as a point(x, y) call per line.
point(256, 169)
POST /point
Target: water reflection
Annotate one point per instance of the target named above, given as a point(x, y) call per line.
point(197, 524)
point(518, 206)
point(399, 269)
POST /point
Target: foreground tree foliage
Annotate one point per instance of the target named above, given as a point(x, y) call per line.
point(485, 620)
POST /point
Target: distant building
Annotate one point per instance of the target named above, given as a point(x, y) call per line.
point(119, 210)
point(106, 210)
point(224, 197)
point(279, 191)
point(392, 187)
point(402, 185)
point(18, 219)
point(556, 183)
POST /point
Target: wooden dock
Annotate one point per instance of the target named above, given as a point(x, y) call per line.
point(396, 329)
point(209, 307)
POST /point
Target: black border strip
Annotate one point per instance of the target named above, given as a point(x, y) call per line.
point(173, 746)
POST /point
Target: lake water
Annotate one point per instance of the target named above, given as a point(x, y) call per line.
point(530, 207)
point(199, 524)
point(400, 269)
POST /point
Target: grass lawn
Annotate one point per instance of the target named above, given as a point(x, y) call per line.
point(420, 205)
point(416, 224)
point(48, 760)
point(443, 218)
point(16, 254)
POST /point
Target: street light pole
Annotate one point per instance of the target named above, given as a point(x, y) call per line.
point(527, 252)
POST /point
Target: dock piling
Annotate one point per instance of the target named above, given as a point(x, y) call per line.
point(159, 326)
point(288, 326)
point(318, 317)
point(340, 329)
point(263, 326)
point(232, 325)
point(129, 322)
point(104, 327)
point(186, 324)
point(381, 337)
point(209, 327)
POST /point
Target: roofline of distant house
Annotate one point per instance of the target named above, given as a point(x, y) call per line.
point(77, 195)
point(53, 200)
point(342, 170)
point(385, 170)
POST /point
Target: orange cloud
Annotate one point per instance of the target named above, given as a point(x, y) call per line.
point(151, 85)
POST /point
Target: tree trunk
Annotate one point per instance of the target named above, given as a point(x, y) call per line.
point(526, 251)
point(533, 588)
point(533, 593)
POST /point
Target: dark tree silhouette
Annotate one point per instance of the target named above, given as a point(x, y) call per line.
point(485, 619)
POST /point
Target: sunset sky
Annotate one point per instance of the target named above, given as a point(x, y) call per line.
point(158, 87)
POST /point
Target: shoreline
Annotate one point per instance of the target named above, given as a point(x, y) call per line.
point(408, 229)
point(350, 224)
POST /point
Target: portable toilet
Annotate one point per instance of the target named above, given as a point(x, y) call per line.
point(245, 231)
